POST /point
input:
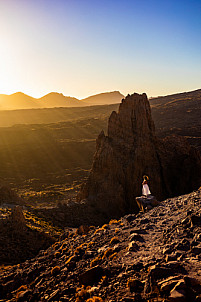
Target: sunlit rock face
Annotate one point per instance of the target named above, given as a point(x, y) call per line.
point(132, 150)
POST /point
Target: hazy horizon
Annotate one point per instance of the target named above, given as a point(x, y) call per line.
point(83, 48)
point(103, 92)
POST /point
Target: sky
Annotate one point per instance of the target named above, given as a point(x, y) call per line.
point(84, 47)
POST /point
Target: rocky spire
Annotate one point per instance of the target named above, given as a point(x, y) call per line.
point(131, 150)
point(132, 121)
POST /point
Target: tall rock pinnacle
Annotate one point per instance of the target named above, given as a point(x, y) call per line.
point(132, 150)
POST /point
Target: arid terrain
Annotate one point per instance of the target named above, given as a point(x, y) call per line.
point(48, 152)
point(63, 241)
point(152, 256)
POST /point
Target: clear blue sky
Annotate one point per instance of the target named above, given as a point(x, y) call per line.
point(83, 47)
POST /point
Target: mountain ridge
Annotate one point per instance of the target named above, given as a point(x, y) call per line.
point(20, 100)
point(104, 98)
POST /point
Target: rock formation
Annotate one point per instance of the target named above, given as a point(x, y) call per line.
point(131, 150)
point(146, 203)
point(17, 219)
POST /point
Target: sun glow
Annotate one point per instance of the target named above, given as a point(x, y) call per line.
point(80, 49)
point(7, 71)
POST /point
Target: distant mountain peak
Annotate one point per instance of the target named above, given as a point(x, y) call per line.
point(104, 98)
point(53, 94)
point(19, 94)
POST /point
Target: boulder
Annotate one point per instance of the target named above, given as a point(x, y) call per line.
point(91, 276)
point(146, 202)
point(83, 230)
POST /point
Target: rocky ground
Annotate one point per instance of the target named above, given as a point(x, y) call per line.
point(20, 241)
point(151, 256)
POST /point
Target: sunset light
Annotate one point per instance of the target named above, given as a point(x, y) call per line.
point(81, 48)
point(100, 150)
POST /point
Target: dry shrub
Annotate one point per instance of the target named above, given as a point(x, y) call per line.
point(55, 245)
point(95, 261)
point(57, 255)
point(81, 295)
point(105, 226)
point(90, 244)
point(116, 230)
point(95, 299)
point(98, 230)
point(18, 295)
point(113, 256)
point(70, 259)
point(103, 280)
point(20, 290)
point(113, 221)
point(55, 270)
point(79, 249)
point(65, 250)
point(107, 253)
point(114, 240)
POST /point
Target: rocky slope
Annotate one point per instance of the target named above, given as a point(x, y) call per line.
point(152, 256)
point(18, 241)
point(131, 150)
point(179, 114)
point(9, 196)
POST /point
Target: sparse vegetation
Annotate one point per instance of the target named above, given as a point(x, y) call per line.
point(20, 290)
point(113, 221)
point(90, 244)
point(95, 261)
point(80, 249)
point(55, 270)
point(95, 299)
point(70, 259)
point(105, 226)
point(98, 230)
point(82, 294)
point(114, 240)
point(113, 256)
point(57, 254)
point(107, 253)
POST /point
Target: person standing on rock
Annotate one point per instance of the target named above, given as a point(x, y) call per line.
point(145, 187)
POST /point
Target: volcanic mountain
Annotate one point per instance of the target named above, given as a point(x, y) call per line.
point(20, 100)
point(104, 98)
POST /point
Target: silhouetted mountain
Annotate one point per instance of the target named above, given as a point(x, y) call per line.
point(20, 100)
point(55, 99)
point(104, 98)
point(17, 100)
